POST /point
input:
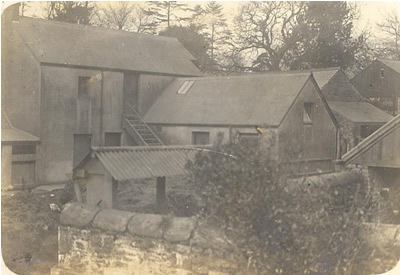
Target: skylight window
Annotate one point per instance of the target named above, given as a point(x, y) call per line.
point(185, 87)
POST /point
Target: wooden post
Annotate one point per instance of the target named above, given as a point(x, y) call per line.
point(77, 190)
point(161, 198)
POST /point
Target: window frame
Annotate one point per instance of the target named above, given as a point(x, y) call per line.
point(194, 133)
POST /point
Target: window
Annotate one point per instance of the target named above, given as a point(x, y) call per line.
point(308, 113)
point(24, 149)
point(200, 138)
point(367, 130)
point(185, 87)
point(382, 72)
point(112, 139)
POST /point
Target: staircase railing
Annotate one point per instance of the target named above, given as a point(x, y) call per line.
point(146, 125)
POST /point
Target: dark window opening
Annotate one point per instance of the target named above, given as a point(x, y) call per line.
point(308, 113)
point(382, 73)
point(23, 149)
point(112, 139)
point(200, 138)
point(367, 130)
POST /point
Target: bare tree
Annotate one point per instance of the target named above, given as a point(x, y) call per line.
point(124, 15)
point(117, 14)
point(391, 26)
point(270, 31)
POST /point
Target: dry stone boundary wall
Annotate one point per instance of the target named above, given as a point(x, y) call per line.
point(92, 240)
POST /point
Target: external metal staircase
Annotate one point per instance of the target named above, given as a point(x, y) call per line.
point(139, 130)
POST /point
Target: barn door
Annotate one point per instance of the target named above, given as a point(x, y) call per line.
point(83, 106)
point(82, 143)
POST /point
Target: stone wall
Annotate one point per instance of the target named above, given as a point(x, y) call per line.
point(106, 241)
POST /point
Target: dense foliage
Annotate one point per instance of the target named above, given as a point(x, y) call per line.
point(281, 226)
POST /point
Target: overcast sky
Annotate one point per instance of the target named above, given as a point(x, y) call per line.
point(371, 12)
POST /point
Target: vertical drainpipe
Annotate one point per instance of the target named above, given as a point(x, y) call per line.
point(101, 108)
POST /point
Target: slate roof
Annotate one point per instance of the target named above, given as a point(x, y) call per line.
point(252, 99)
point(125, 163)
point(373, 139)
point(322, 76)
point(80, 45)
point(344, 99)
point(12, 135)
point(394, 64)
point(336, 86)
point(360, 112)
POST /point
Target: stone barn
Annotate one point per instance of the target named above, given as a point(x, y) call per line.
point(75, 86)
point(18, 156)
point(284, 112)
point(380, 152)
point(356, 117)
point(381, 81)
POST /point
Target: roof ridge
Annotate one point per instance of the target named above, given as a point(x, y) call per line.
point(83, 26)
point(269, 74)
point(368, 142)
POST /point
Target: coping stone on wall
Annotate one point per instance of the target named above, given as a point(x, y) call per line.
point(147, 225)
point(179, 229)
point(112, 220)
point(78, 214)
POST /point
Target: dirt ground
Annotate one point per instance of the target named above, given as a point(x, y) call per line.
point(29, 231)
point(29, 225)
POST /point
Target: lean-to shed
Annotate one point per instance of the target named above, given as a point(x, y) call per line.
point(18, 156)
point(105, 167)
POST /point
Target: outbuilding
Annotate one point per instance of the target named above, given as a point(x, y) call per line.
point(18, 156)
point(284, 112)
point(381, 81)
point(380, 152)
point(103, 170)
point(356, 117)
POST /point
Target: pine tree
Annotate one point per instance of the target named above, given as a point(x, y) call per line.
point(166, 11)
point(79, 12)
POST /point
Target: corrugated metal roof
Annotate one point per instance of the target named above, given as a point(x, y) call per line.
point(81, 45)
point(10, 134)
point(125, 163)
point(360, 112)
point(394, 64)
point(251, 99)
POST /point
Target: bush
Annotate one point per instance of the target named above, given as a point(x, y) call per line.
point(281, 228)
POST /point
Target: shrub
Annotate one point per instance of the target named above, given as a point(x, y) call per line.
point(280, 227)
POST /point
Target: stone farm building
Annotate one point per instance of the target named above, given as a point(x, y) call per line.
point(356, 117)
point(285, 112)
point(73, 85)
point(380, 80)
point(380, 152)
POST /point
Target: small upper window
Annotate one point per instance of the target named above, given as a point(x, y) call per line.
point(185, 87)
point(308, 113)
point(382, 72)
